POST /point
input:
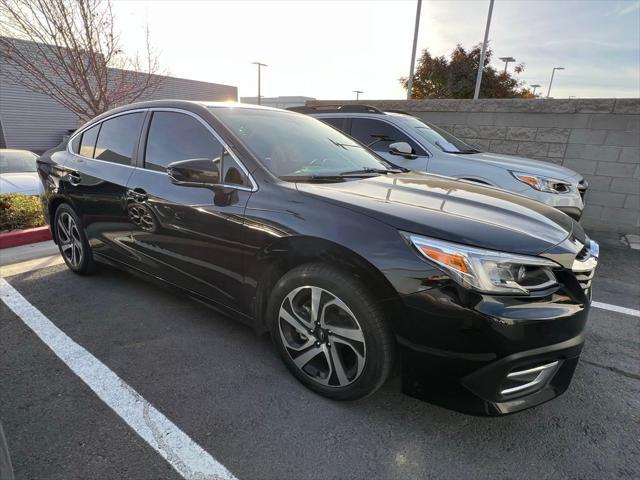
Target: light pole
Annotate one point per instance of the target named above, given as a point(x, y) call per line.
point(483, 53)
point(534, 89)
point(357, 92)
point(553, 72)
point(507, 61)
point(259, 66)
point(413, 51)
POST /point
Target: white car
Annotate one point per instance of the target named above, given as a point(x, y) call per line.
point(412, 143)
point(18, 172)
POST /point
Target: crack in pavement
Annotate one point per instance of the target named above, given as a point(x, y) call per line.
point(612, 369)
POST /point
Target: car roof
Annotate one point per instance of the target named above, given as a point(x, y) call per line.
point(195, 106)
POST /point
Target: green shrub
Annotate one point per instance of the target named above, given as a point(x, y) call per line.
point(20, 211)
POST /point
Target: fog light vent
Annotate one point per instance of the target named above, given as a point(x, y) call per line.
point(527, 381)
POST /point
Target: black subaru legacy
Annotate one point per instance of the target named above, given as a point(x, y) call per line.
point(349, 262)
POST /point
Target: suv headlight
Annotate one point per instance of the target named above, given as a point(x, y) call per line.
point(544, 184)
point(486, 270)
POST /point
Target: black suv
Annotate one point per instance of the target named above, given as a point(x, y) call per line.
point(349, 262)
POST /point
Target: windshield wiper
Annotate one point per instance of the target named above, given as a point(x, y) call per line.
point(374, 170)
point(312, 178)
point(467, 151)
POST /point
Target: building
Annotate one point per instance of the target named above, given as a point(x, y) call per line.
point(36, 122)
point(278, 102)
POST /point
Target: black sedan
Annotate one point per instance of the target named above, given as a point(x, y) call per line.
point(349, 262)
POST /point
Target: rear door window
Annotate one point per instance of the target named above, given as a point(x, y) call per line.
point(118, 138)
point(378, 135)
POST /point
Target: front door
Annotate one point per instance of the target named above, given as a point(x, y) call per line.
point(190, 236)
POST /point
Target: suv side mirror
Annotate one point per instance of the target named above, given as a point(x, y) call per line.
point(402, 149)
point(194, 172)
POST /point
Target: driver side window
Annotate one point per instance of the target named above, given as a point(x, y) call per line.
point(175, 136)
point(378, 135)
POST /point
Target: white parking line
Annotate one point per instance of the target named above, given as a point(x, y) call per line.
point(616, 308)
point(184, 455)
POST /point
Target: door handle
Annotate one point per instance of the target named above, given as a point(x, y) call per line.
point(137, 195)
point(74, 178)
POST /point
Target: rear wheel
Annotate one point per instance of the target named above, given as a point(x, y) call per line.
point(330, 332)
point(72, 241)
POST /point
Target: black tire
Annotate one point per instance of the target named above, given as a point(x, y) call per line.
point(78, 254)
point(377, 347)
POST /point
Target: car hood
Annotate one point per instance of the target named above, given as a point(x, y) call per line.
point(26, 183)
point(451, 210)
point(524, 165)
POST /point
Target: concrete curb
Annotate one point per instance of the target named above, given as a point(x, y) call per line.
point(23, 237)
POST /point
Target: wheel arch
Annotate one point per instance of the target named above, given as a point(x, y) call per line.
point(291, 252)
point(52, 206)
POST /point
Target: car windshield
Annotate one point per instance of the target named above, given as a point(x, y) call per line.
point(17, 161)
point(437, 137)
point(294, 147)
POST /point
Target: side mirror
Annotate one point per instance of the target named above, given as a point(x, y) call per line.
point(196, 172)
point(402, 149)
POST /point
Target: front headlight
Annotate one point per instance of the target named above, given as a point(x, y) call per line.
point(544, 184)
point(486, 270)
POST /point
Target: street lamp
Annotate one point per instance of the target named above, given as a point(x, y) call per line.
point(483, 52)
point(413, 52)
point(553, 72)
point(357, 92)
point(534, 88)
point(259, 66)
point(507, 61)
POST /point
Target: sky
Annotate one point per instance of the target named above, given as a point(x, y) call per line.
point(326, 49)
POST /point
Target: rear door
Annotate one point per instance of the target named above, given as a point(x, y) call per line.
point(96, 178)
point(378, 135)
point(190, 236)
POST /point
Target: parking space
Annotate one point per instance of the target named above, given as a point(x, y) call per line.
point(225, 388)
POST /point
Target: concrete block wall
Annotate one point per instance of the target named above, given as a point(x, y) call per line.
point(599, 138)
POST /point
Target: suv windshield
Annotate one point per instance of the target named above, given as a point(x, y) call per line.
point(437, 137)
point(293, 146)
point(17, 161)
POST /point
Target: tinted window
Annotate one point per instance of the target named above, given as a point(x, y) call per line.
point(75, 143)
point(232, 174)
point(118, 138)
point(334, 122)
point(88, 141)
point(175, 136)
point(378, 135)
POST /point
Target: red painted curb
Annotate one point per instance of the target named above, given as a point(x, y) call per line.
point(22, 237)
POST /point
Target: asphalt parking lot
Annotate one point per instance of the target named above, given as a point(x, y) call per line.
point(226, 389)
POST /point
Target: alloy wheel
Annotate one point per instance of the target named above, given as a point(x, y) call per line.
point(69, 239)
point(322, 336)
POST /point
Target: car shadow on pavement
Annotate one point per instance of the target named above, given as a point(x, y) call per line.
point(229, 391)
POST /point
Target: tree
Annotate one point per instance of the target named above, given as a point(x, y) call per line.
point(439, 77)
point(70, 51)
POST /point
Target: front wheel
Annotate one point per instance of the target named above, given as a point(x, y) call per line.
point(331, 332)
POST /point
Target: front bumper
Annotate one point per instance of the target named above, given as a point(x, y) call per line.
point(458, 348)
